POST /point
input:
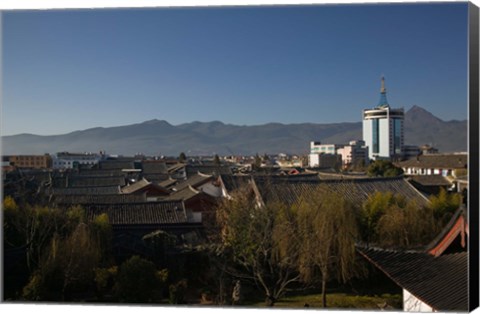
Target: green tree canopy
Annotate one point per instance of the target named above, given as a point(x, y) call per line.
point(327, 229)
point(137, 280)
point(383, 168)
point(182, 157)
point(262, 241)
point(444, 205)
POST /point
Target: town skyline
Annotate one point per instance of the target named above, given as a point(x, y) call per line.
point(111, 67)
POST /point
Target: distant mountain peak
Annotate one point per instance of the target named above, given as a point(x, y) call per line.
point(155, 121)
point(417, 113)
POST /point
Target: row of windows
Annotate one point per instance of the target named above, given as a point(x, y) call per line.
point(28, 158)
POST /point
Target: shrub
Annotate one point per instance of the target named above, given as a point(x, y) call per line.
point(177, 292)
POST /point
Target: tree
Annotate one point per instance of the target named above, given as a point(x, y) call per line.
point(327, 226)
point(182, 157)
point(137, 280)
point(383, 168)
point(406, 225)
point(444, 205)
point(102, 234)
point(216, 160)
point(371, 212)
point(66, 267)
point(262, 240)
point(257, 163)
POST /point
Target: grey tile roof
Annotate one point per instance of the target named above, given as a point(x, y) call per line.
point(154, 167)
point(176, 167)
point(100, 172)
point(85, 181)
point(141, 184)
point(438, 161)
point(193, 180)
point(148, 213)
point(156, 177)
point(461, 212)
point(431, 180)
point(167, 183)
point(86, 190)
point(184, 194)
point(211, 170)
point(234, 182)
point(98, 199)
point(441, 282)
point(357, 191)
point(116, 164)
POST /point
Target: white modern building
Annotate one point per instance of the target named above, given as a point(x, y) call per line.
point(383, 129)
point(355, 153)
point(323, 155)
point(65, 160)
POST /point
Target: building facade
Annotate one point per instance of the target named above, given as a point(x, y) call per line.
point(383, 129)
point(355, 153)
point(65, 160)
point(323, 155)
point(31, 161)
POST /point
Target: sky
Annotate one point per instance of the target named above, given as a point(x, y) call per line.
point(68, 70)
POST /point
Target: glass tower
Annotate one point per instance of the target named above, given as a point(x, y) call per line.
point(383, 128)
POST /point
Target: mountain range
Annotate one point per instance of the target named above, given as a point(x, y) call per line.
point(158, 137)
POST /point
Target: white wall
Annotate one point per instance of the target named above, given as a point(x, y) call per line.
point(412, 304)
point(367, 136)
point(384, 138)
point(313, 160)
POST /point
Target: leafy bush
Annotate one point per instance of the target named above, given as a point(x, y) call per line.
point(137, 281)
point(177, 292)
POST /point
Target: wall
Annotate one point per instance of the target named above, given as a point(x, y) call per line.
point(412, 304)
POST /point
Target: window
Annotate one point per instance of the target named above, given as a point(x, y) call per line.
point(375, 136)
point(397, 136)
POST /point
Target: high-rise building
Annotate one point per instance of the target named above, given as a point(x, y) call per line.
point(383, 129)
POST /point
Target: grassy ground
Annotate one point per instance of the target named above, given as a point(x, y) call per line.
point(338, 300)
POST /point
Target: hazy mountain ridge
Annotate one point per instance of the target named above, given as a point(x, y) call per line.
point(158, 137)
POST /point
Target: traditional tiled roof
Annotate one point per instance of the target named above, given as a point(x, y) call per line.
point(211, 170)
point(455, 231)
point(156, 177)
point(154, 167)
point(431, 180)
point(148, 213)
point(194, 180)
point(100, 172)
point(142, 184)
point(436, 161)
point(357, 191)
point(98, 199)
point(167, 183)
point(116, 164)
point(87, 190)
point(37, 175)
point(84, 181)
point(176, 167)
point(308, 177)
point(234, 182)
point(440, 282)
point(340, 176)
point(184, 194)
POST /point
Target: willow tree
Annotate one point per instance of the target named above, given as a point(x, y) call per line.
point(262, 240)
point(327, 225)
point(371, 212)
point(405, 224)
point(444, 205)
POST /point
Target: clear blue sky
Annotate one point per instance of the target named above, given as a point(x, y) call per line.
point(67, 70)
